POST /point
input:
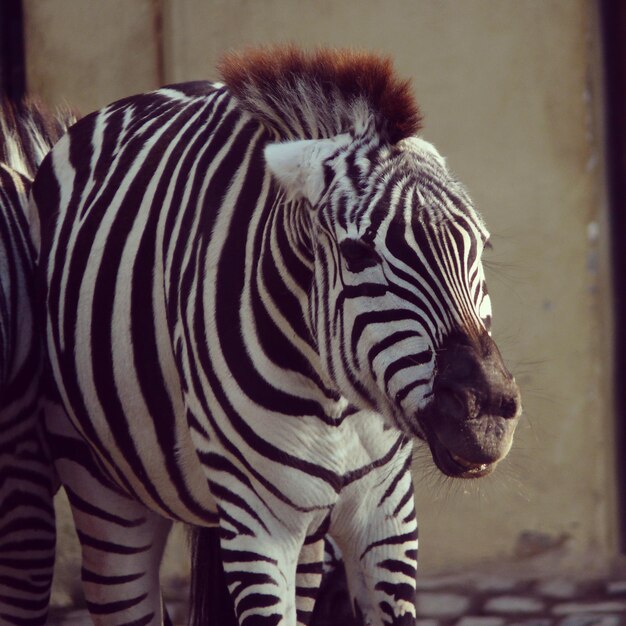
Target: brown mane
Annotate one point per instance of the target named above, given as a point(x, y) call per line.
point(312, 94)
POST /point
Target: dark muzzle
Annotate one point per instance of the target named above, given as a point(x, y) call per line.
point(476, 407)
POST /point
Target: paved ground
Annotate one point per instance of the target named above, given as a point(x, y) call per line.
point(480, 600)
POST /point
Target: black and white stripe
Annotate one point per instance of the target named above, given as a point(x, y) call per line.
point(27, 480)
point(246, 291)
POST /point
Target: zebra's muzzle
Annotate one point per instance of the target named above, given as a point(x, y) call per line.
point(476, 406)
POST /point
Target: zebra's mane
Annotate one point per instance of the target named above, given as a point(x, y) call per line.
point(304, 95)
point(27, 132)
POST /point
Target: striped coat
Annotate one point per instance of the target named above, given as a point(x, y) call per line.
point(27, 480)
point(248, 288)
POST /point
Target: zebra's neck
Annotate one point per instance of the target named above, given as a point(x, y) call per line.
point(283, 278)
point(248, 276)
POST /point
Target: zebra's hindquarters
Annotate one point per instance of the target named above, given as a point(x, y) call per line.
point(27, 477)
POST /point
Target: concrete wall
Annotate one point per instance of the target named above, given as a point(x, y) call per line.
point(87, 54)
point(511, 93)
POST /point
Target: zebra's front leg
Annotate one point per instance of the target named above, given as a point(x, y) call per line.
point(260, 571)
point(121, 541)
point(376, 529)
point(309, 577)
point(260, 544)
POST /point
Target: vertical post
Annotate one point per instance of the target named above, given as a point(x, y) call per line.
point(613, 15)
point(12, 69)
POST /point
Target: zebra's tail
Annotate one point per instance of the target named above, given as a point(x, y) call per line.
point(210, 602)
point(28, 130)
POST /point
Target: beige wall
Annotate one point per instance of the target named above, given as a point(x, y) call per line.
point(87, 53)
point(511, 94)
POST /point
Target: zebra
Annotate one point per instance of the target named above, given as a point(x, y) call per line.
point(260, 293)
point(27, 481)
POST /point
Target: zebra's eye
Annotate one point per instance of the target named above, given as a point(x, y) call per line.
point(358, 254)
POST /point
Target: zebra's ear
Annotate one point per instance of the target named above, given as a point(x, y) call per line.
point(299, 165)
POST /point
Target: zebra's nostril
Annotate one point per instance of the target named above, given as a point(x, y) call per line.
point(508, 408)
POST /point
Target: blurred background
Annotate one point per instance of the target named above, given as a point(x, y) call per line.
point(524, 99)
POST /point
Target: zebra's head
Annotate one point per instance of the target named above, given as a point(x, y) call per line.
point(398, 303)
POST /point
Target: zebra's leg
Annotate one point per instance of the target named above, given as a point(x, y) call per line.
point(376, 529)
point(122, 552)
point(260, 572)
point(27, 531)
point(260, 544)
point(121, 541)
point(309, 577)
point(333, 606)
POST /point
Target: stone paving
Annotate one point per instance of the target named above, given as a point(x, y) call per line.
point(481, 600)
